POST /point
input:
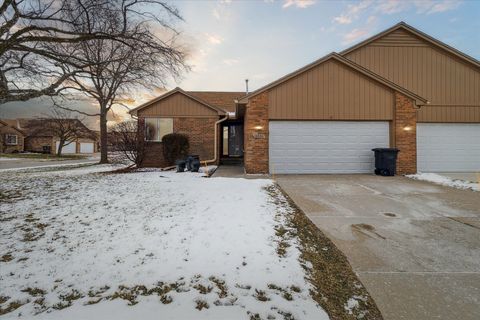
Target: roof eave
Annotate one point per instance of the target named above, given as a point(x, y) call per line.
point(134, 111)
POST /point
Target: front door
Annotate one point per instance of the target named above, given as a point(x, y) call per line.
point(235, 140)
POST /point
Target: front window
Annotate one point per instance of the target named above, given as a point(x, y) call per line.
point(11, 139)
point(156, 128)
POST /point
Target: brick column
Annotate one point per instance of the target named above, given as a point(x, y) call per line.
point(405, 134)
point(256, 134)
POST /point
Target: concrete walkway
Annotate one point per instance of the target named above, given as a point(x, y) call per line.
point(415, 245)
point(230, 171)
point(236, 171)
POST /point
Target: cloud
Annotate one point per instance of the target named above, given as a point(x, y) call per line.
point(342, 19)
point(216, 14)
point(429, 7)
point(392, 6)
point(213, 39)
point(354, 35)
point(230, 62)
point(352, 12)
point(298, 3)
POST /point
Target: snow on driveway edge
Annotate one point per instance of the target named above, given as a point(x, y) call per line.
point(445, 181)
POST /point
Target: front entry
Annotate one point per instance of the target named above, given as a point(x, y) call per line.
point(232, 140)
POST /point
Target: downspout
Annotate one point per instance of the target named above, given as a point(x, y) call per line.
point(215, 152)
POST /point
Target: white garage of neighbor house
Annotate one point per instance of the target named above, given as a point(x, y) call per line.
point(87, 147)
point(400, 88)
point(74, 147)
point(70, 148)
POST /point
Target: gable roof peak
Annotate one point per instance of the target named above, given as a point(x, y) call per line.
point(420, 34)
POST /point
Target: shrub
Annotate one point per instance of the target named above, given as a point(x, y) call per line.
point(175, 147)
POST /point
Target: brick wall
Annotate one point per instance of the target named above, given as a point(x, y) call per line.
point(405, 124)
point(256, 139)
point(35, 144)
point(19, 147)
point(200, 133)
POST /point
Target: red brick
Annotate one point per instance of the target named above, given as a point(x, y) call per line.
point(256, 140)
point(405, 140)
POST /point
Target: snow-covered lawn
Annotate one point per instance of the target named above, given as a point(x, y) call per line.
point(446, 181)
point(81, 244)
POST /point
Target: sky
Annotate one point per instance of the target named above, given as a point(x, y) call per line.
point(230, 41)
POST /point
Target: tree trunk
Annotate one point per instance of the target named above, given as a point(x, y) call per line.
point(60, 147)
point(103, 134)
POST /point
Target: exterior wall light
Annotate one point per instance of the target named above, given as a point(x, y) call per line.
point(407, 128)
point(258, 127)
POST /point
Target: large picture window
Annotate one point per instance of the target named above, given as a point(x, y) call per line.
point(156, 128)
point(11, 139)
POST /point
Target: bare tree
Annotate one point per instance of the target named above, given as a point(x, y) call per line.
point(61, 124)
point(125, 143)
point(116, 69)
point(39, 40)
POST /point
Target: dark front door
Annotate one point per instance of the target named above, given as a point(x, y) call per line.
point(235, 140)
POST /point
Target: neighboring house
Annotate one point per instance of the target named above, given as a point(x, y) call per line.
point(400, 88)
point(11, 138)
point(197, 115)
point(38, 138)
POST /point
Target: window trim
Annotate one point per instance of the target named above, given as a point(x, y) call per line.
point(157, 127)
point(9, 143)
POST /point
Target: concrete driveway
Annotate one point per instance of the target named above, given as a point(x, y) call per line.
point(414, 245)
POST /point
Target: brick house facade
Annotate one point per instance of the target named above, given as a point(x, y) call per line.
point(200, 135)
point(335, 110)
point(16, 137)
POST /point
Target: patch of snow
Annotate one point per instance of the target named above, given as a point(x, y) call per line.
point(211, 240)
point(446, 181)
point(351, 304)
point(209, 170)
point(9, 159)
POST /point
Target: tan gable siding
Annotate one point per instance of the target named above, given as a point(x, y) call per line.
point(177, 105)
point(428, 71)
point(331, 91)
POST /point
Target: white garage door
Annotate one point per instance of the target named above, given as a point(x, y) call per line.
point(68, 149)
point(86, 147)
point(325, 146)
point(448, 147)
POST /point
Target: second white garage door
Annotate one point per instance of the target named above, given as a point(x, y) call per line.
point(86, 147)
point(325, 146)
point(448, 147)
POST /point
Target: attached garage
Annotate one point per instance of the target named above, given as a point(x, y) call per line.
point(86, 147)
point(326, 118)
point(67, 149)
point(448, 147)
point(325, 146)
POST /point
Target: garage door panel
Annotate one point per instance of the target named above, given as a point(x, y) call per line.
point(448, 147)
point(86, 147)
point(67, 149)
point(325, 146)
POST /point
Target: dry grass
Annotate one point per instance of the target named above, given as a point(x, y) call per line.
point(327, 268)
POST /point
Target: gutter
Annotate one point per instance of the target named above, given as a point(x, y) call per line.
point(215, 154)
point(227, 116)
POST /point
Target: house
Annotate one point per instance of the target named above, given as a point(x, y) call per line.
point(39, 138)
point(11, 138)
point(201, 116)
point(400, 88)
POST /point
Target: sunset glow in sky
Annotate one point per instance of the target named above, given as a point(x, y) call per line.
point(230, 41)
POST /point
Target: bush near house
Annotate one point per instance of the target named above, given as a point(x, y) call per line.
point(175, 147)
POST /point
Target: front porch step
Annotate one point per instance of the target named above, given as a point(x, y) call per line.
point(231, 161)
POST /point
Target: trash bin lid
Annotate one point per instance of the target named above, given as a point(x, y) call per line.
point(386, 149)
